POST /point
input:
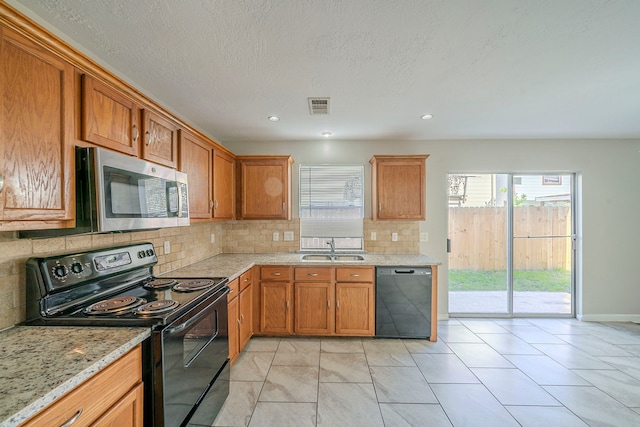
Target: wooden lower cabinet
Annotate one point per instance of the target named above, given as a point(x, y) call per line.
point(276, 305)
point(240, 308)
point(233, 316)
point(113, 397)
point(334, 301)
point(313, 311)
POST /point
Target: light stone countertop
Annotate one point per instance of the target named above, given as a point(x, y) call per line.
point(39, 364)
point(232, 265)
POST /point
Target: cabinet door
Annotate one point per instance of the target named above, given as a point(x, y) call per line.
point(398, 187)
point(265, 186)
point(234, 332)
point(127, 412)
point(246, 318)
point(223, 185)
point(314, 308)
point(36, 134)
point(160, 139)
point(109, 118)
point(275, 309)
point(355, 304)
point(196, 161)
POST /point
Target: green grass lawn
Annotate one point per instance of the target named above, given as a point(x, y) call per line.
point(496, 280)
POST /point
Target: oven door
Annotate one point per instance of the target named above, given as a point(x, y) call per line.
point(195, 350)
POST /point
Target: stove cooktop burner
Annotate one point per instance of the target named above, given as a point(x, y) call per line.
point(193, 285)
point(160, 283)
point(118, 305)
point(155, 307)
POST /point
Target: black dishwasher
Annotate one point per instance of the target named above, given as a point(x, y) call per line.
point(403, 302)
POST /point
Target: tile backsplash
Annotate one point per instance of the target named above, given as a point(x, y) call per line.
point(187, 244)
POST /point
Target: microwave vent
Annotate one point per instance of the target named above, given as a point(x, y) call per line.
point(318, 106)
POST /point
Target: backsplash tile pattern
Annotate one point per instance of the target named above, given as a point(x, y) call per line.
point(188, 245)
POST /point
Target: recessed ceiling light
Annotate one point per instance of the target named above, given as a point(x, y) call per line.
point(326, 134)
point(273, 118)
point(426, 116)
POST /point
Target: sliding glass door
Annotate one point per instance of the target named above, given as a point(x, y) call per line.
point(511, 244)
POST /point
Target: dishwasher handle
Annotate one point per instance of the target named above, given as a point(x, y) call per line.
point(404, 271)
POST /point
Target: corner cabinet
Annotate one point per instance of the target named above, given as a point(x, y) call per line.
point(113, 397)
point(36, 136)
point(398, 187)
point(264, 187)
point(211, 173)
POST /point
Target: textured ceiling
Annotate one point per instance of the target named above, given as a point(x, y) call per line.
point(483, 68)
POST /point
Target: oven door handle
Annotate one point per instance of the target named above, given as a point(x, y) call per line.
point(194, 319)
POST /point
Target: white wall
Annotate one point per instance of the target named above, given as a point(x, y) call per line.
point(608, 199)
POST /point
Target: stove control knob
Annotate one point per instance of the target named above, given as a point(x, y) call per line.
point(60, 272)
point(141, 254)
point(77, 268)
point(149, 252)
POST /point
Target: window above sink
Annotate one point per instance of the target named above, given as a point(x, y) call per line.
point(331, 207)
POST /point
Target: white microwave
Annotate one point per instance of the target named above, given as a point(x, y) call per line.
point(118, 193)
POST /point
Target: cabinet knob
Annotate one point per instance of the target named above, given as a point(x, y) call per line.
point(1, 182)
point(135, 134)
point(328, 304)
point(147, 138)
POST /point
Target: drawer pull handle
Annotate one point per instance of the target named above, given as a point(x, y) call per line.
point(313, 274)
point(276, 274)
point(355, 275)
point(72, 419)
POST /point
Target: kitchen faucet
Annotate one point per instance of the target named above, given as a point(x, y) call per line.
point(332, 243)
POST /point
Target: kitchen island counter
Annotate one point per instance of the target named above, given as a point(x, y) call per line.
point(39, 364)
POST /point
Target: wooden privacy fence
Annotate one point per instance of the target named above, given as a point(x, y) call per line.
point(479, 238)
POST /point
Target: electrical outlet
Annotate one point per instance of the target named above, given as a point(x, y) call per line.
point(213, 238)
point(394, 237)
point(276, 236)
point(373, 235)
point(167, 247)
point(288, 236)
point(424, 237)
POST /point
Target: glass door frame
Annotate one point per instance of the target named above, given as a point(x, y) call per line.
point(510, 251)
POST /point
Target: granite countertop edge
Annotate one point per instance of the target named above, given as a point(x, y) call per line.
point(232, 265)
point(15, 410)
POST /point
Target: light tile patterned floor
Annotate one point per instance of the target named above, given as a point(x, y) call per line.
point(481, 372)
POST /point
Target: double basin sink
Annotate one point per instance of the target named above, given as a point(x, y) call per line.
point(332, 257)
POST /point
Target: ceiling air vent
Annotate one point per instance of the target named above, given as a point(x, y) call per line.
point(318, 106)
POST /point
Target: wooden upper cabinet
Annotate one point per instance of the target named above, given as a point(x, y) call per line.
point(159, 139)
point(224, 167)
point(264, 187)
point(398, 187)
point(196, 161)
point(211, 173)
point(109, 118)
point(36, 135)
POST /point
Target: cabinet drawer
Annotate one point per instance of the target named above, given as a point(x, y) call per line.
point(234, 287)
point(324, 274)
point(95, 396)
point(354, 274)
point(279, 273)
point(245, 279)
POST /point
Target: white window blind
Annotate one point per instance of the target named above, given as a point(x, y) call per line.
point(331, 201)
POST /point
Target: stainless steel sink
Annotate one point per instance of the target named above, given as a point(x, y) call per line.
point(317, 257)
point(330, 258)
point(350, 257)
